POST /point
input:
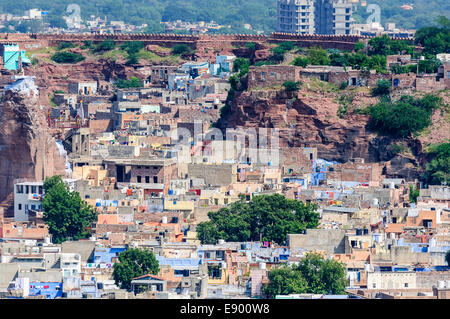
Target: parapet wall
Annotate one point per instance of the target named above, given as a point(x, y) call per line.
point(345, 42)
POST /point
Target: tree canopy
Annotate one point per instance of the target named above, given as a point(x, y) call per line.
point(266, 217)
point(134, 262)
point(438, 169)
point(65, 213)
point(67, 57)
point(435, 39)
point(405, 116)
point(314, 274)
point(133, 82)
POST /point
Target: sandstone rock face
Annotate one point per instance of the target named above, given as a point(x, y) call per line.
point(51, 77)
point(27, 150)
point(308, 122)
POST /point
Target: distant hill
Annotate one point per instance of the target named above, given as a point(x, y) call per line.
point(423, 13)
point(261, 14)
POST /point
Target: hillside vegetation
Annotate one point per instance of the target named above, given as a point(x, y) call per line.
point(261, 14)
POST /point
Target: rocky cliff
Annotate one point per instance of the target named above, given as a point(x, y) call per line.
point(27, 150)
point(52, 76)
point(309, 119)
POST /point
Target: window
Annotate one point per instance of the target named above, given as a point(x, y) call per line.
point(19, 207)
point(33, 189)
point(139, 179)
point(406, 285)
point(147, 179)
point(155, 179)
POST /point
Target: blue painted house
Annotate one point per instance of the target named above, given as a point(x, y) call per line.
point(50, 290)
point(106, 255)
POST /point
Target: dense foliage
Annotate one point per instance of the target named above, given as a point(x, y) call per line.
point(106, 45)
point(67, 57)
point(291, 86)
point(181, 49)
point(383, 87)
point(133, 82)
point(414, 193)
point(65, 213)
point(405, 116)
point(132, 48)
point(267, 218)
point(134, 263)
point(438, 169)
point(435, 39)
point(384, 45)
point(314, 274)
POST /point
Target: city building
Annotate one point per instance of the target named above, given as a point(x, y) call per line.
point(315, 16)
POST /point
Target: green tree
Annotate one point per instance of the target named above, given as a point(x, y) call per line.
point(405, 116)
point(383, 88)
point(292, 86)
point(267, 218)
point(438, 169)
point(133, 82)
point(414, 193)
point(106, 45)
point(132, 59)
point(300, 61)
point(132, 47)
point(208, 233)
point(134, 262)
point(67, 57)
point(314, 275)
point(359, 46)
point(280, 50)
point(434, 39)
point(251, 46)
point(318, 56)
point(65, 213)
point(65, 45)
point(324, 276)
point(284, 281)
point(181, 49)
point(242, 66)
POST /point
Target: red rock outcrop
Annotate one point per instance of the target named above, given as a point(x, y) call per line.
point(27, 149)
point(305, 122)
